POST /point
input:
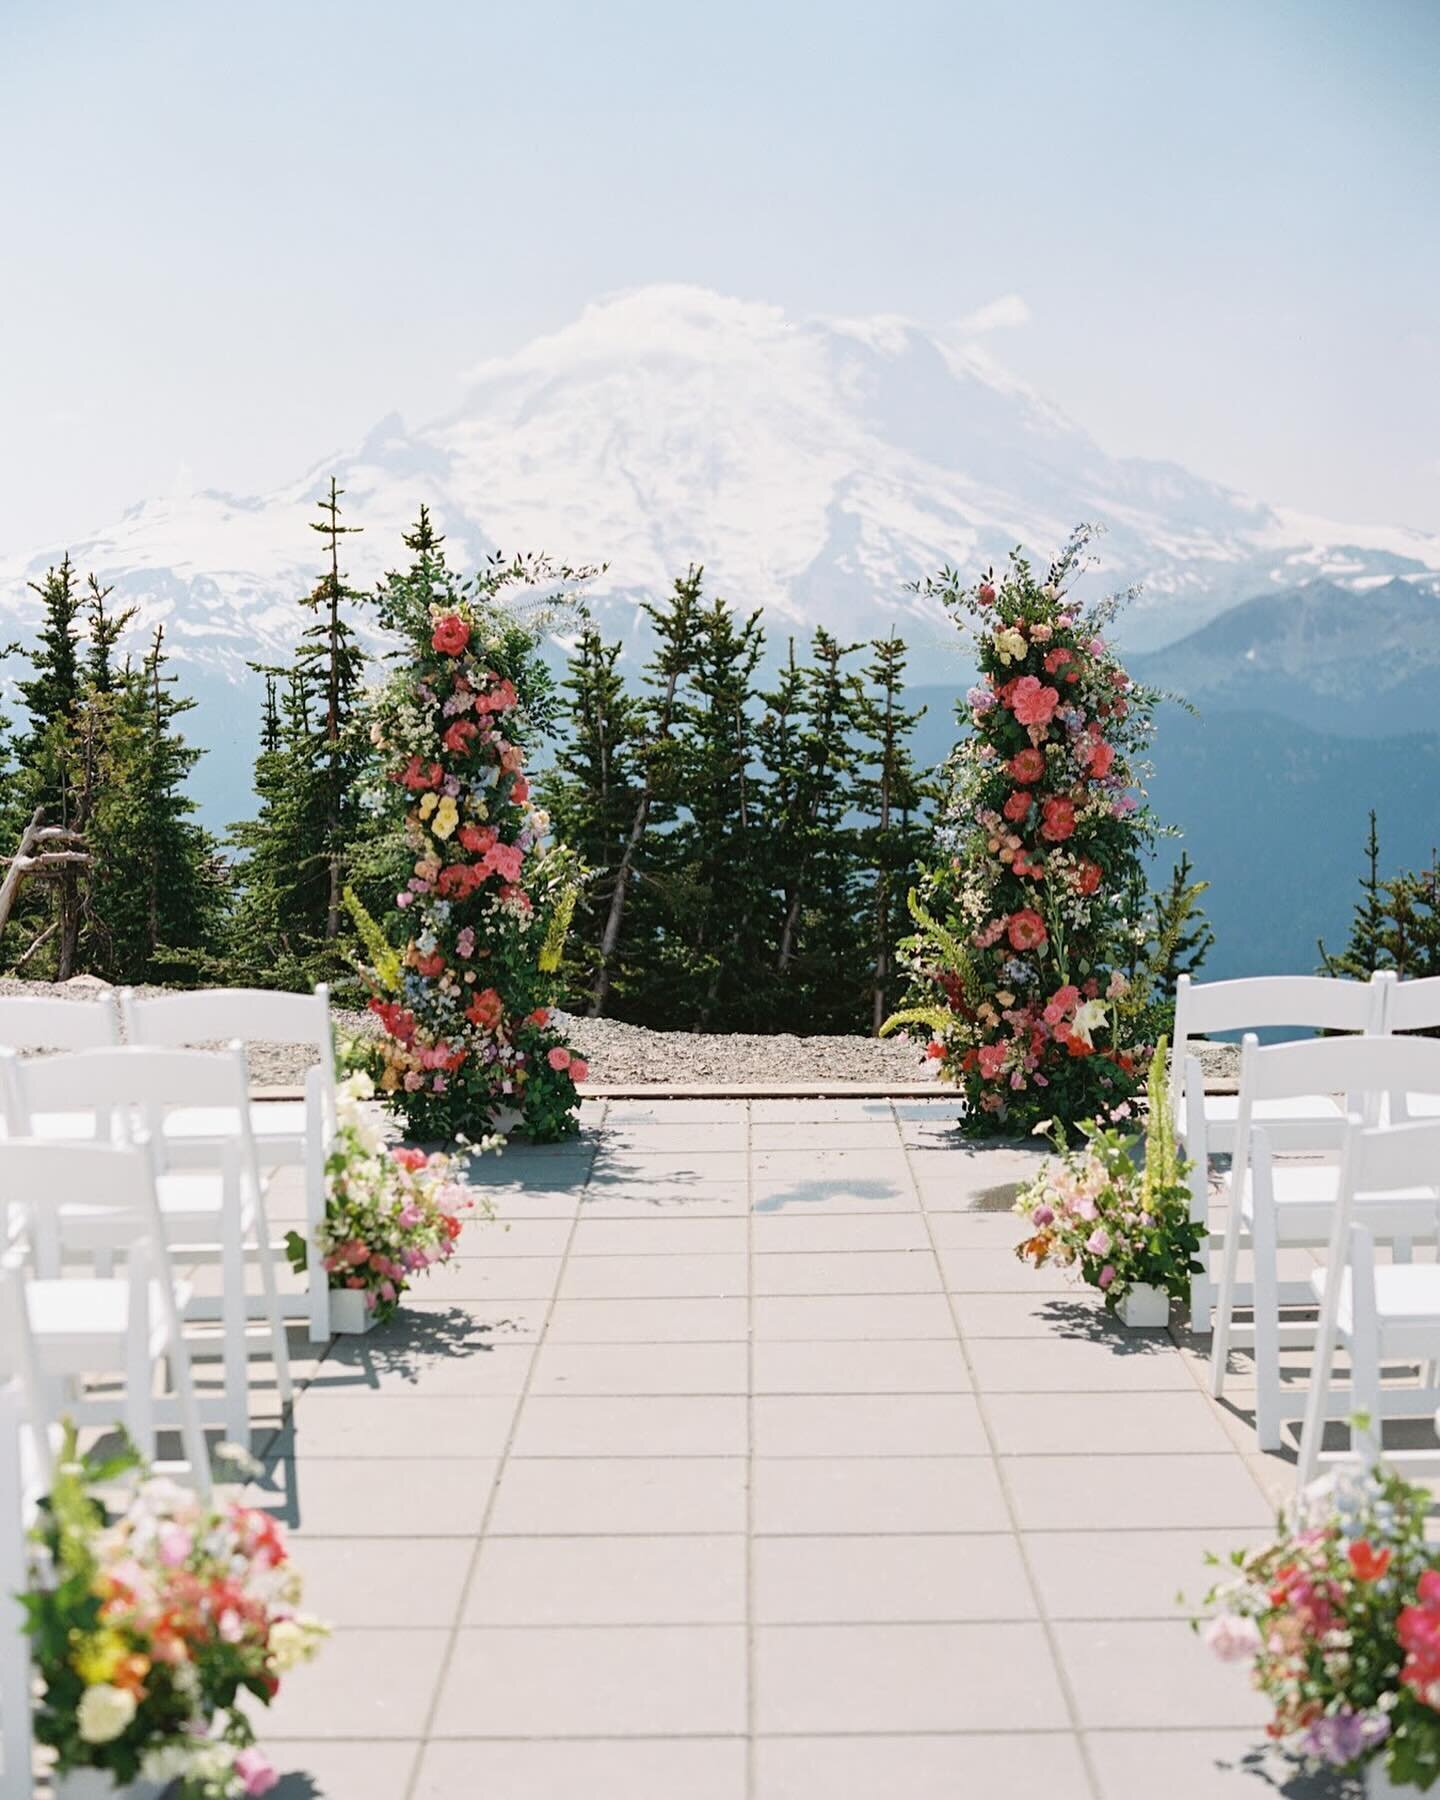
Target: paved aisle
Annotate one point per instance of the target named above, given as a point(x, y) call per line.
point(744, 1462)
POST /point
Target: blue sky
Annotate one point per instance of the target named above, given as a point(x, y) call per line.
point(237, 235)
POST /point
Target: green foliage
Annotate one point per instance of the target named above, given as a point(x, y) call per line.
point(1396, 922)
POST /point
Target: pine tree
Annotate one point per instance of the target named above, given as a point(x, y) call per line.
point(708, 977)
point(1365, 951)
point(331, 657)
point(592, 787)
point(1396, 922)
point(893, 794)
point(676, 626)
point(105, 632)
point(53, 693)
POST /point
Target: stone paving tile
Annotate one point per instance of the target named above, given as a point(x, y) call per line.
point(779, 1233)
point(659, 1237)
point(609, 1581)
point(403, 1498)
point(1102, 1424)
point(867, 1425)
point(1059, 1365)
point(648, 1321)
point(628, 1425)
point(851, 1318)
point(1201, 1765)
point(849, 1272)
point(515, 1237)
point(878, 1494)
point(1145, 1675)
point(368, 1425)
point(844, 1678)
point(1127, 1493)
point(436, 1359)
point(368, 1582)
point(833, 1193)
point(565, 1496)
point(653, 1277)
point(819, 1580)
point(828, 1136)
point(1044, 1315)
point(1032, 1766)
point(479, 1276)
point(585, 1769)
point(635, 1198)
point(882, 1366)
point(610, 1680)
point(373, 1770)
point(641, 1369)
point(383, 1681)
point(1151, 1574)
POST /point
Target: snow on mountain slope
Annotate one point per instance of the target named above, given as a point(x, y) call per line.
point(815, 466)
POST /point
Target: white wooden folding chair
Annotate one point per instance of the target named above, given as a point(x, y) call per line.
point(26, 1473)
point(214, 1214)
point(1274, 1205)
point(124, 1324)
point(1413, 1006)
point(1378, 1313)
point(1254, 1003)
point(288, 1133)
point(34, 1022)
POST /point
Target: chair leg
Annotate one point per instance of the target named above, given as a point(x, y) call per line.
point(279, 1343)
point(1225, 1300)
point(1267, 1326)
point(1202, 1287)
point(1364, 1347)
point(16, 1779)
point(234, 1313)
point(140, 1378)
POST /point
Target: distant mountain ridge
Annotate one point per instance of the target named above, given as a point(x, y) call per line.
point(1358, 664)
point(815, 466)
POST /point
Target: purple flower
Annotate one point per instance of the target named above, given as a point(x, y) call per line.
point(1339, 1738)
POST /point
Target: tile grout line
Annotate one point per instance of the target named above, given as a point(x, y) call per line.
point(462, 1598)
point(1042, 1614)
point(751, 1697)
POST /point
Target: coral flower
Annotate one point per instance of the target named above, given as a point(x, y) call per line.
point(1032, 702)
point(430, 966)
point(520, 791)
point(418, 776)
point(477, 838)
point(558, 1057)
point(540, 1016)
point(1056, 661)
point(1368, 1563)
point(459, 736)
point(458, 881)
point(1017, 806)
point(1059, 819)
point(450, 636)
point(935, 1050)
point(1102, 760)
point(991, 1058)
point(1027, 765)
point(1026, 929)
point(486, 1009)
point(579, 1068)
point(1087, 877)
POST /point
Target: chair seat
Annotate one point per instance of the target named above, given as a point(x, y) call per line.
point(278, 1127)
point(1305, 1196)
point(77, 1322)
point(1407, 1297)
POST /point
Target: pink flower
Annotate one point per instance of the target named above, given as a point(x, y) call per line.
point(558, 1057)
point(1232, 1637)
point(175, 1545)
point(579, 1068)
point(1032, 702)
point(1106, 1275)
point(992, 1060)
point(520, 791)
point(450, 636)
point(255, 1771)
point(1098, 1242)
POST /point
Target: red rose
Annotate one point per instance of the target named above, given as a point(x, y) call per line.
point(1058, 819)
point(540, 1016)
point(450, 636)
point(430, 966)
point(1087, 878)
point(935, 1050)
point(1026, 929)
point(1057, 660)
point(418, 776)
point(457, 881)
point(985, 593)
point(1027, 765)
point(477, 838)
point(1102, 760)
point(486, 1010)
point(458, 738)
point(1017, 805)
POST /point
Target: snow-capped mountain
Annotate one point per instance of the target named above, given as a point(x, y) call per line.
point(815, 466)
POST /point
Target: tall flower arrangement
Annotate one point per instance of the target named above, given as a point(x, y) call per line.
point(1017, 970)
point(470, 1041)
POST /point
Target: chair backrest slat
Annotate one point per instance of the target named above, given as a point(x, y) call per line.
point(34, 1022)
point(157, 1080)
point(1369, 1066)
point(1259, 1003)
point(1413, 1005)
point(1390, 1157)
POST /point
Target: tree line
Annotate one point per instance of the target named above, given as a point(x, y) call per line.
point(750, 842)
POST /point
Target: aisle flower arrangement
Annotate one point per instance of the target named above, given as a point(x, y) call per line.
point(1338, 1621)
point(1118, 1224)
point(1027, 925)
point(391, 1212)
point(470, 1038)
point(148, 1624)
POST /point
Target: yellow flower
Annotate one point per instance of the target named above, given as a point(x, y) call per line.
point(1010, 645)
point(293, 1641)
point(447, 817)
point(428, 803)
point(98, 1657)
point(104, 1713)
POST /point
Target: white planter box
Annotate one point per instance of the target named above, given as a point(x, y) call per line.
point(1379, 1786)
point(349, 1314)
point(1144, 1306)
point(99, 1784)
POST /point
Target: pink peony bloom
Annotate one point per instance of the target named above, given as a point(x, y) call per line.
point(558, 1057)
point(1098, 1242)
point(1106, 1276)
point(579, 1068)
point(1232, 1637)
point(1032, 702)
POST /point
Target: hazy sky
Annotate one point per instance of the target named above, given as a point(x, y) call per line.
point(235, 235)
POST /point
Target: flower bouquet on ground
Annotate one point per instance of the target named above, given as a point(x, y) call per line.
point(148, 1624)
point(1339, 1620)
point(1120, 1225)
point(391, 1212)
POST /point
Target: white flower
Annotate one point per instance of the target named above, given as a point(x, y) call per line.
point(1232, 1637)
point(1087, 1017)
point(104, 1712)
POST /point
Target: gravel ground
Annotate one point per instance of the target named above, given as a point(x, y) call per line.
point(625, 1055)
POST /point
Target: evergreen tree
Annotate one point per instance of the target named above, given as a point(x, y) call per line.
point(104, 635)
point(53, 694)
point(676, 625)
point(1396, 923)
point(592, 787)
point(715, 892)
point(154, 895)
point(892, 793)
point(1365, 951)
